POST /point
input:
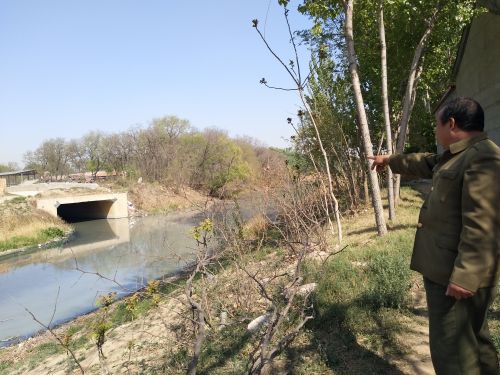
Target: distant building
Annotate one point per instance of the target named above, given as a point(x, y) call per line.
point(89, 177)
point(476, 73)
point(17, 177)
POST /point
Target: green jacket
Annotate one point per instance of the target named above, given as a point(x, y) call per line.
point(458, 230)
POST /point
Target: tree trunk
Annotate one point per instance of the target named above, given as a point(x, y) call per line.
point(200, 337)
point(363, 121)
point(366, 188)
point(409, 98)
point(327, 166)
point(385, 103)
point(397, 180)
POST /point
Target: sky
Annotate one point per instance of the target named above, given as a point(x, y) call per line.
point(70, 67)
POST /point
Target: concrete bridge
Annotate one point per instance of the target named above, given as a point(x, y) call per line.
point(86, 207)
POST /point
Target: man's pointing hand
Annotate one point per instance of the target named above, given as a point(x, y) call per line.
point(379, 162)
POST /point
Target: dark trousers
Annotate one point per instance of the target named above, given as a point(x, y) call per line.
point(459, 337)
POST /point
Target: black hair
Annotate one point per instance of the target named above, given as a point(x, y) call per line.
point(468, 114)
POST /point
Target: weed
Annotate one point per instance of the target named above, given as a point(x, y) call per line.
point(80, 342)
point(121, 315)
point(494, 322)
point(5, 365)
point(17, 200)
point(361, 297)
point(225, 350)
point(52, 232)
point(43, 351)
point(20, 228)
point(389, 280)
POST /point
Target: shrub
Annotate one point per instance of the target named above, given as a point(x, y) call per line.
point(53, 232)
point(17, 200)
point(389, 280)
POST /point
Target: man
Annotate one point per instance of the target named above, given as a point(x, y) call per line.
point(457, 241)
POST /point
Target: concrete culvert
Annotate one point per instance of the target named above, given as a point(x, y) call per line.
point(82, 211)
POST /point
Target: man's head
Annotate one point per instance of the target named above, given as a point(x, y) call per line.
point(458, 119)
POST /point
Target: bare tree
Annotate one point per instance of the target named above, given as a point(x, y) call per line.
point(411, 87)
point(362, 118)
point(385, 104)
point(202, 235)
point(294, 71)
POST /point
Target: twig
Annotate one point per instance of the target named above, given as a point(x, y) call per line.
point(57, 338)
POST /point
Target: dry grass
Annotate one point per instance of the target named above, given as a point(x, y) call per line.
point(359, 229)
point(155, 198)
point(21, 223)
point(255, 227)
point(28, 225)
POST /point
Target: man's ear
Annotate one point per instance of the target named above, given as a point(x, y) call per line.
point(453, 124)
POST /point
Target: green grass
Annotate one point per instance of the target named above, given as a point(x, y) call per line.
point(42, 352)
point(41, 237)
point(5, 366)
point(362, 296)
point(494, 322)
point(17, 200)
point(226, 349)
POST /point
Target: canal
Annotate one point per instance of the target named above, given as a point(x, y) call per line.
point(104, 256)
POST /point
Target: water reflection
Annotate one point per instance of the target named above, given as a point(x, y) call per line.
point(105, 256)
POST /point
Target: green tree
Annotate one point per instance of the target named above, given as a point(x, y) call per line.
point(93, 147)
point(219, 163)
point(421, 40)
point(51, 156)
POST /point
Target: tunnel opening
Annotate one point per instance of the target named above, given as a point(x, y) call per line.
point(84, 211)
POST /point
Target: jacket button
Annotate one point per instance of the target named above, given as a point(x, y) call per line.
point(420, 225)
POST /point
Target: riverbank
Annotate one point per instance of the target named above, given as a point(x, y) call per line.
point(23, 227)
point(58, 239)
point(154, 198)
point(369, 316)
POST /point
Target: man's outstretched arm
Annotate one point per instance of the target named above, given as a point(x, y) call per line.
point(419, 165)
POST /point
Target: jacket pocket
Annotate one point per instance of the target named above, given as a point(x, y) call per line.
point(446, 180)
point(448, 243)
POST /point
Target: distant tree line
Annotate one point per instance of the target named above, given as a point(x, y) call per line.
point(169, 150)
point(9, 167)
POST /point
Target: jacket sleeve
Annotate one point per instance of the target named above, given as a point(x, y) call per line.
point(419, 165)
point(477, 259)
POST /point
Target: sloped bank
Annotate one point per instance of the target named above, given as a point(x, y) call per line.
point(366, 316)
point(24, 228)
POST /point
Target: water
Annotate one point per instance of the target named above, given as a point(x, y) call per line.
point(105, 256)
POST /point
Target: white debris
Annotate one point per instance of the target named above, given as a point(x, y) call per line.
point(306, 289)
point(223, 319)
point(360, 264)
point(257, 323)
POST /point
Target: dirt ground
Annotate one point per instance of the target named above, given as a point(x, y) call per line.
point(418, 360)
point(142, 343)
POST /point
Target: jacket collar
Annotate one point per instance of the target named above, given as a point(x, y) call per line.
point(459, 146)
